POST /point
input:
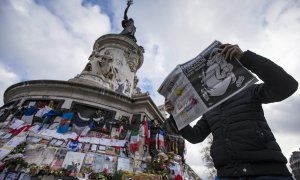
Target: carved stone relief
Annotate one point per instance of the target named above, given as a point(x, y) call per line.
point(132, 59)
point(101, 65)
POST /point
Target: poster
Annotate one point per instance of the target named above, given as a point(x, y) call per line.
point(73, 161)
point(125, 164)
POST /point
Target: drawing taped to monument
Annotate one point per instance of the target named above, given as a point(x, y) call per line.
point(203, 83)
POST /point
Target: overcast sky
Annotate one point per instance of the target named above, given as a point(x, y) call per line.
point(42, 39)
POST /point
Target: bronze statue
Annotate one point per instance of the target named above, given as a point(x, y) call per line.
point(128, 24)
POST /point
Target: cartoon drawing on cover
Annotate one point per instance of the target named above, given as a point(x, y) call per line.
point(218, 75)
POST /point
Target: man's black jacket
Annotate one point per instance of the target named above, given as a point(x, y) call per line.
point(243, 144)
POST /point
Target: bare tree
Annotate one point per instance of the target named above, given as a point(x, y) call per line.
point(205, 154)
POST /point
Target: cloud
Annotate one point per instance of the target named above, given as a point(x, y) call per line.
point(146, 85)
point(282, 116)
point(49, 39)
point(190, 26)
point(52, 40)
point(153, 70)
point(7, 79)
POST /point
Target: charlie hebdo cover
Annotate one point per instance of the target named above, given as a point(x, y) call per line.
point(202, 83)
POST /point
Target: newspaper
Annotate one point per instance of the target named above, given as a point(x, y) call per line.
point(202, 83)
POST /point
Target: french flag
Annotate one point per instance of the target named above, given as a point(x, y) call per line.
point(147, 124)
point(134, 141)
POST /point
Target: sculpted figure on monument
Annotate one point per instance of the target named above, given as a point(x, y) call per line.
point(131, 59)
point(101, 65)
point(136, 89)
point(128, 24)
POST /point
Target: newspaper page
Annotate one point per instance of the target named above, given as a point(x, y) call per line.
point(202, 83)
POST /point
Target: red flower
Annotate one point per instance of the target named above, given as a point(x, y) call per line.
point(2, 166)
point(178, 177)
point(105, 170)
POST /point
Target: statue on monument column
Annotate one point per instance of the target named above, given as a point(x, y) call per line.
point(136, 89)
point(128, 24)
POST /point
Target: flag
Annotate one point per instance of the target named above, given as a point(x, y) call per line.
point(120, 129)
point(104, 128)
point(148, 133)
point(145, 126)
point(28, 115)
point(47, 116)
point(128, 133)
point(41, 112)
point(121, 132)
point(17, 131)
point(65, 122)
point(142, 130)
point(161, 141)
point(156, 140)
point(134, 141)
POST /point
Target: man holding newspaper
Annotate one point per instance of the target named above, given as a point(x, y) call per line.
point(243, 144)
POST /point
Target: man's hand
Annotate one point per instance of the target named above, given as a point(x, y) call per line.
point(169, 107)
point(231, 51)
